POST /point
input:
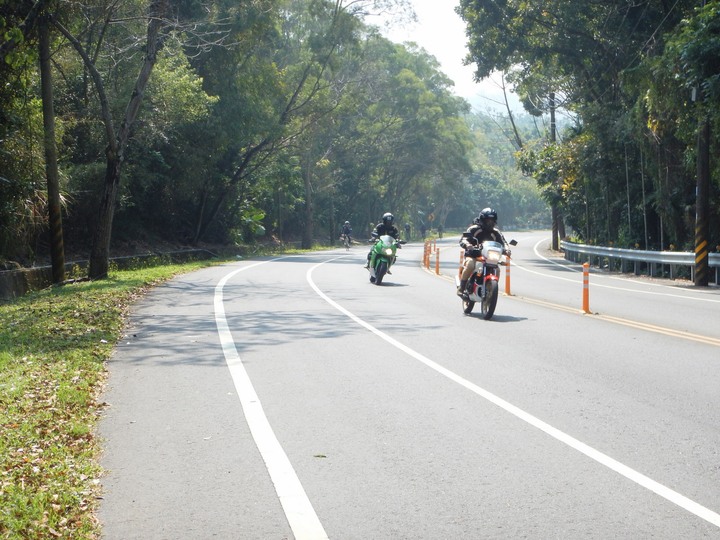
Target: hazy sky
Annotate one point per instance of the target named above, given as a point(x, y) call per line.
point(441, 32)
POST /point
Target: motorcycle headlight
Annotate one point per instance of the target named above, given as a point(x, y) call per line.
point(493, 256)
point(388, 252)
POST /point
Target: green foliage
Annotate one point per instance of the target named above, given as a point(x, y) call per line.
point(694, 50)
point(22, 199)
point(293, 111)
point(626, 72)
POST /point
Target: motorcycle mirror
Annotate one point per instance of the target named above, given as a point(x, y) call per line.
point(513, 242)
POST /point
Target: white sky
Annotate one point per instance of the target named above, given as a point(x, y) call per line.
point(441, 32)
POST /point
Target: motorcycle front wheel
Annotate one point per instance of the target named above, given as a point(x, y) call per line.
point(489, 301)
point(380, 272)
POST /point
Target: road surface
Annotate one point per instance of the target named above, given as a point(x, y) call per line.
point(288, 398)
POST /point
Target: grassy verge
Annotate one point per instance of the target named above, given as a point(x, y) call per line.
point(53, 348)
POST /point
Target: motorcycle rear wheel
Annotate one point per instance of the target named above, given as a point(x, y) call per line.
point(468, 306)
point(489, 301)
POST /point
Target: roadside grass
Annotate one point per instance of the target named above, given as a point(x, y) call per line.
point(53, 348)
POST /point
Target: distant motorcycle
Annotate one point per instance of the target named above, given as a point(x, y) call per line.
point(385, 248)
point(483, 286)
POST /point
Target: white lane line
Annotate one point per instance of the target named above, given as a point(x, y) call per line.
point(631, 474)
point(300, 514)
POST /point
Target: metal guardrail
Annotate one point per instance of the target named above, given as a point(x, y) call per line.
point(654, 262)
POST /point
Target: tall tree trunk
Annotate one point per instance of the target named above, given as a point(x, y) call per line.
point(57, 250)
point(100, 251)
point(308, 229)
point(516, 133)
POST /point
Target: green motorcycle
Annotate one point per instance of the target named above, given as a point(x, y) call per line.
point(382, 257)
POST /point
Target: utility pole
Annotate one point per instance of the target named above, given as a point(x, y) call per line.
point(554, 206)
point(702, 204)
point(702, 194)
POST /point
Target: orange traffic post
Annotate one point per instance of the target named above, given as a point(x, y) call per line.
point(507, 276)
point(425, 254)
point(586, 287)
point(437, 261)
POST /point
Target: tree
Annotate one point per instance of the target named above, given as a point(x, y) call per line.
point(117, 138)
point(604, 58)
point(51, 166)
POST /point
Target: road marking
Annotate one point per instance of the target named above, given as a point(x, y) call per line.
point(631, 474)
point(707, 340)
point(661, 330)
point(300, 514)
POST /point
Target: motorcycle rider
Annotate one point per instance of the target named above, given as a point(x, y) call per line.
point(347, 231)
point(482, 229)
point(384, 227)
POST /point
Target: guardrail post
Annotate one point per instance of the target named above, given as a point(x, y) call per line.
point(586, 288)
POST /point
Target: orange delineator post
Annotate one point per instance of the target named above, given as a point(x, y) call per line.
point(586, 287)
point(507, 275)
point(437, 261)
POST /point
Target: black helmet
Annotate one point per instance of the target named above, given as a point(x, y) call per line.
point(487, 213)
point(388, 218)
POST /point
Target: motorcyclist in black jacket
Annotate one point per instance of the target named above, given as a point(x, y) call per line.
point(384, 227)
point(482, 229)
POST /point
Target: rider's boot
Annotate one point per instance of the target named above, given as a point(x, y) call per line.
point(394, 260)
point(461, 288)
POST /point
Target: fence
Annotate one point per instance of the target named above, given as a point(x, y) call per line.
point(654, 263)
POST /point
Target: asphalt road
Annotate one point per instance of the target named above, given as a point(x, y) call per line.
point(290, 398)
